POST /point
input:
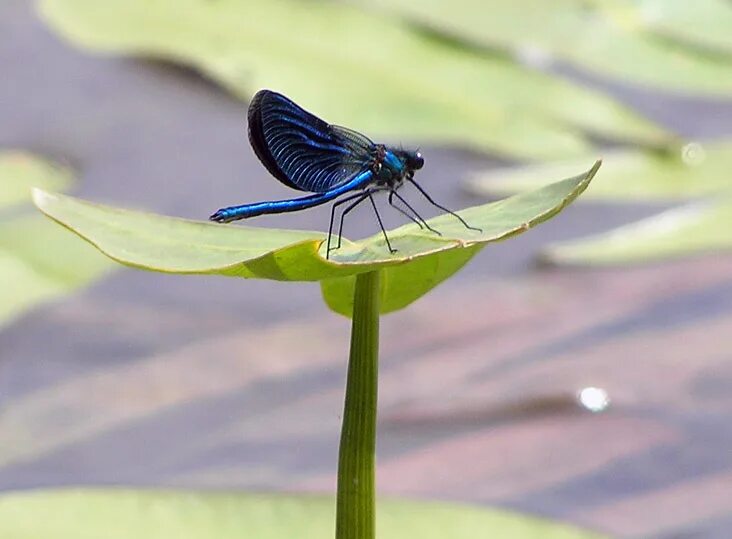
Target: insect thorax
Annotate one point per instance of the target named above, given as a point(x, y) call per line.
point(388, 168)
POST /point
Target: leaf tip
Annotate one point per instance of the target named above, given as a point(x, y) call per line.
point(588, 177)
point(595, 168)
point(41, 198)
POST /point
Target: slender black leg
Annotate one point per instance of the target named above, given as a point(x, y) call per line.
point(404, 213)
point(332, 217)
point(443, 208)
point(345, 212)
point(378, 217)
point(415, 213)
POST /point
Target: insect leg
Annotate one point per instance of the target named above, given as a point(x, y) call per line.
point(360, 198)
point(378, 217)
point(443, 208)
point(400, 210)
point(332, 218)
point(415, 213)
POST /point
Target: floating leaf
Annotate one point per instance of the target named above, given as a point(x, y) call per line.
point(34, 254)
point(702, 23)
point(695, 170)
point(34, 257)
point(688, 230)
point(129, 514)
point(172, 245)
point(20, 171)
point(608, 37)
point(358, 69)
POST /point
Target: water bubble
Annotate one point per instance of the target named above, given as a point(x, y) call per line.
point(594, 399)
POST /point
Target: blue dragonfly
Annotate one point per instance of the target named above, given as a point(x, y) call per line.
point(329, 161)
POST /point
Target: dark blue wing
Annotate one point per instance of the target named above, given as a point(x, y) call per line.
point(301, 150)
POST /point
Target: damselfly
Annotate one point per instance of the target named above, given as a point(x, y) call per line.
point(308, 154)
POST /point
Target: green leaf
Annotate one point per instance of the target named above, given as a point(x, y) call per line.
point(35, 257)
point(400, 285)
point(20, 171)
point(358, 69)
point(609, 37)
point(34, 254)
point(694, 170)
point(129, 514)
point(172, 245)
point(702, 23)
point(688, 230)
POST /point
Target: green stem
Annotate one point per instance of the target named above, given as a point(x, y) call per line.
point(355, 513)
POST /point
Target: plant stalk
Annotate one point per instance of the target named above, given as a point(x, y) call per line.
point(355, 511)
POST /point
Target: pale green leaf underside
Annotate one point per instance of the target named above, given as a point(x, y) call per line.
point(702, 227)
point(691, 171)
point(173, 245)
point(615, 38)
point(400, 285)
point(35, 254)
point(127, 514)
point(359, 69)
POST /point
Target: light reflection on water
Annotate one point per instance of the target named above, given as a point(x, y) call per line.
point(594, 399)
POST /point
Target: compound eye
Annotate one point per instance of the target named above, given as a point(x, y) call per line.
point(417, 161)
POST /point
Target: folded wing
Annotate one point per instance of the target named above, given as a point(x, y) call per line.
point(301, 150)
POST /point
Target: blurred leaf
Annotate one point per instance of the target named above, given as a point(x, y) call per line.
point(694, 170)
point(128, 514)
point(19, 172)
point(613, 38)
point(688, 230)
point(34, 254)
point(35, 257)
point(172, 245)
point(358, 69)
point(701, 23)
